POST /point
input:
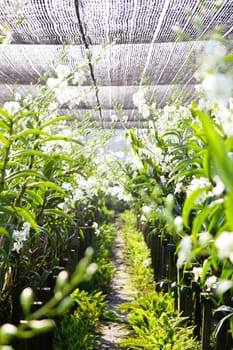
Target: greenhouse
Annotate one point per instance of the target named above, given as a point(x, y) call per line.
point(116, 174)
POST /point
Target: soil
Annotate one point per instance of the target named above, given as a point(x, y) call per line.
point(112, 333)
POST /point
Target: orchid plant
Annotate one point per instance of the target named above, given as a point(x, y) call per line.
point(51, 171)
point(180, 175)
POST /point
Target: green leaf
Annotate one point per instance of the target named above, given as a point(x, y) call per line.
point(5, 256)
point(22, 213)
point(198, 222)
point(24, 173)
point(218, 151)
point(229, 210)
point(216, 217)
point(31, 132)
point(58, 212)
point(81, 233)
point(195, 171)
point(28, 153)
point(4, 125)
point(46, 184)
point(61, 138)
point(228, 57)
point(56, 120)
point(231, 324)
point(206, 162)
point(226, 274)
point(189, 203)
point(4, 140)
point(49, 167)
point(5, 114)
point(6, 198)
point(27, 216)
point(3, 231)
point(206, 266)
point(34, 196)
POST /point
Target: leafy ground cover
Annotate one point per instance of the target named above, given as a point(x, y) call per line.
point(152, 319)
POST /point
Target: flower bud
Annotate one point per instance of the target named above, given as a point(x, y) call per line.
point(92, 268)
point(26, 300)
point(65, 304)
point(89, 252)
point(62, 280)
point(41, 326)
point(7, 332)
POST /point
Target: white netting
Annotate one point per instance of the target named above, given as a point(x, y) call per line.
point(146, 46)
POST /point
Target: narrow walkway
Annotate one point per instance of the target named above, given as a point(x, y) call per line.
point(113, 332)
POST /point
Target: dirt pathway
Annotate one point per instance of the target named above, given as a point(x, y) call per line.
point(113, 332)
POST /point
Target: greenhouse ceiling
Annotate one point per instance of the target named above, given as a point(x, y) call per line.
point(124, 43)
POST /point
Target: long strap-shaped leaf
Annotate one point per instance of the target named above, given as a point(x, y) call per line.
point(218, 151)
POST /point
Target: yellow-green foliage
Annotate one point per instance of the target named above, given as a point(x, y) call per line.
point(79, 330)
point(137, 254)
point(156, 325)
point(103, 246)
point(153, 321)
point(89, 307)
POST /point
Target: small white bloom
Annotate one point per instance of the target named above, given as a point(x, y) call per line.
point(52, 106)
point(224, 244)
point(211, 282)
point(185, 251)
point(17, 246)
point(178, 223)
point(28, 98)
point(217, 87)
point(204, 237)
point(223, 286)
point(19, 236)
point(114, 118)
point(26, 228)
point(79, 77)
point(11, 107)
point(62, 71)
point(179, 187)
point(198, 183)
point(197, 271)
point(65, 205)
point(53, 83)
point(124, 118)
point(145, 263)
point(139, 98)
point(224, 116)
point(146, 210)
point(143, 219)
point(67, 186)
point(18, 96)
point(95, 225)
point(144, 111)
point(96, 228)
point(220, 187)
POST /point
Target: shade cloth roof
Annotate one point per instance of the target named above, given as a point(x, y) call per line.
point(145, 46)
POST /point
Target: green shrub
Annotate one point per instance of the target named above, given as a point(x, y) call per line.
point(152, 320)
point(137, 255)
point(72, 334)
point(102, 244)
point(79, 330)
point(155, 325)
